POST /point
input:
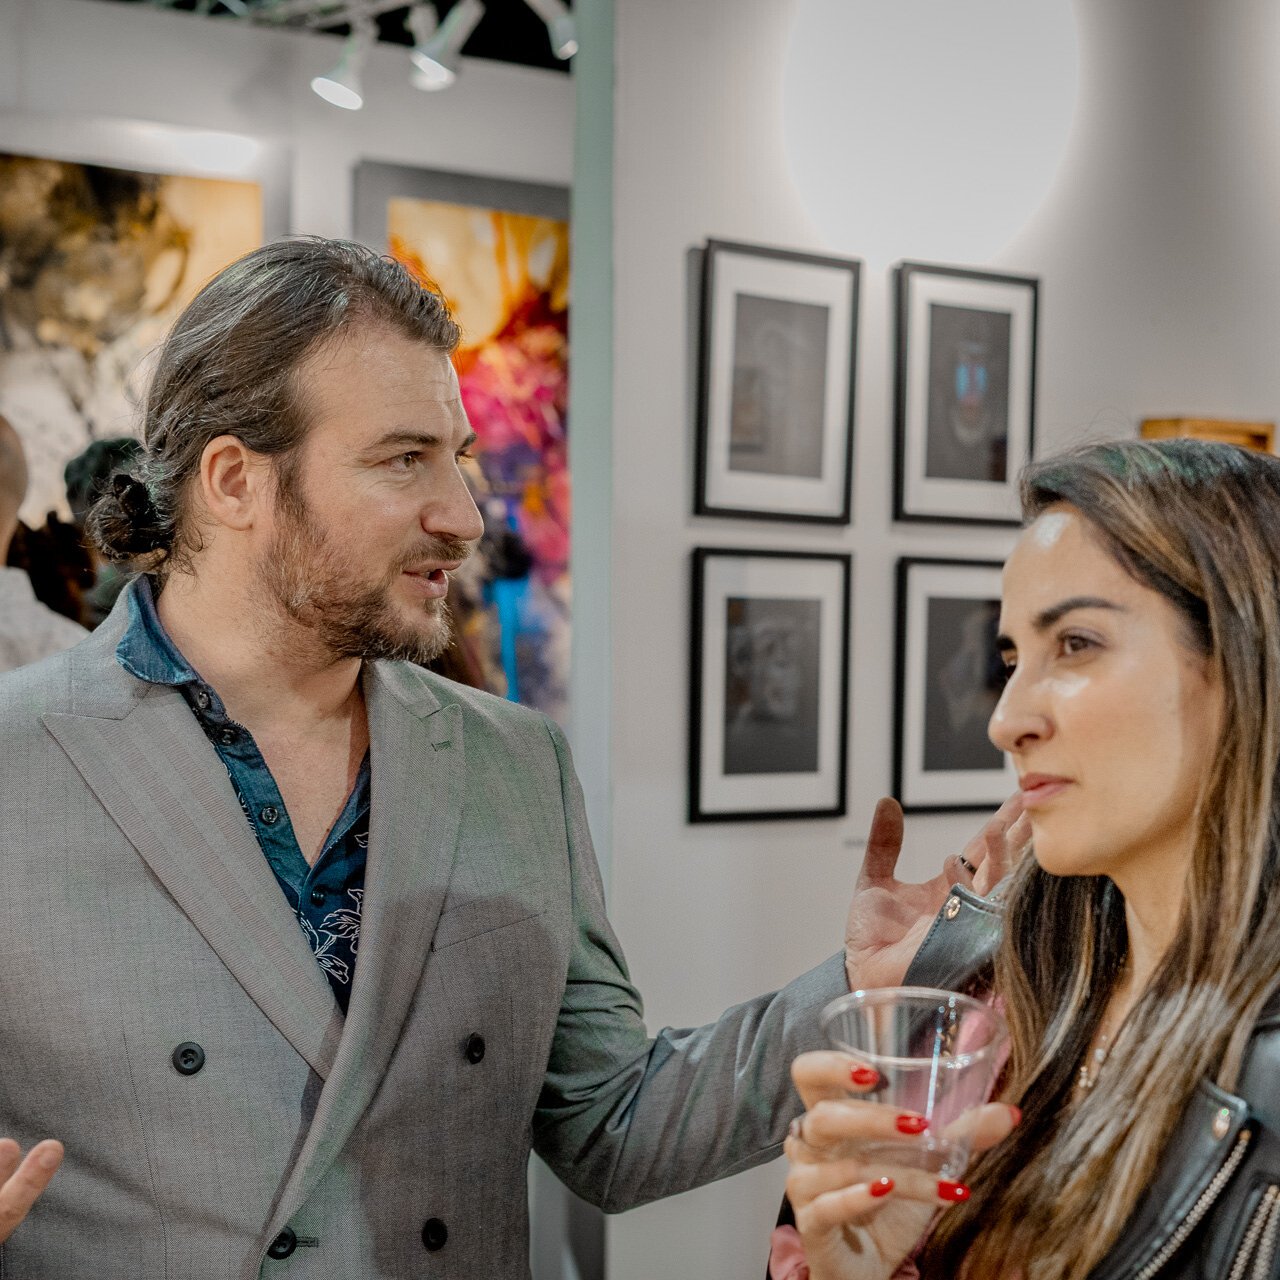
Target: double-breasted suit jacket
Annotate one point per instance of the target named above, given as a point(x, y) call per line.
point(161, 1011)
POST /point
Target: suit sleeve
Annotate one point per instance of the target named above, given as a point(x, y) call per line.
point(624, 1119)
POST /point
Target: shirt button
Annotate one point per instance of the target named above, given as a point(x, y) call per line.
point(203, 700)
point(474, 1049)
point(188, 1058)
point(283, 1245)
point(434, 1235)
point(228, 737)
point(269, 814)
point(317, 897)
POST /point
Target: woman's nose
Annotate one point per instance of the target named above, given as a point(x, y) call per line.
point(1018, 718)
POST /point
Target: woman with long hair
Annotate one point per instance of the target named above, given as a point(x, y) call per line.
point(1139, 963)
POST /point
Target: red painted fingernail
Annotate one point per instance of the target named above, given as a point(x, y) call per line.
point(1017, 1113)
point(881, 1187)
point(864, 1077)
point(911, 1124)
point(954, 1191)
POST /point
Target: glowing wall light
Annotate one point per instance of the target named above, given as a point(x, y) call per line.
point(927, 128)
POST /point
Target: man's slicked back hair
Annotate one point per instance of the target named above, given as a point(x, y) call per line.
point(228, 367)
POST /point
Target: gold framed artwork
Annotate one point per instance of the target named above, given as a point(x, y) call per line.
point(1259, 436)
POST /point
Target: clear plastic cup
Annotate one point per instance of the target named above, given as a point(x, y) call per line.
point(937, 1053)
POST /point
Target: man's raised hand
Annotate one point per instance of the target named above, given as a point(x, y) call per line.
point(22, 1180)
point(888, 918)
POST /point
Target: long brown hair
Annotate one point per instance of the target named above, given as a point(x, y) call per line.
point(1200, 524)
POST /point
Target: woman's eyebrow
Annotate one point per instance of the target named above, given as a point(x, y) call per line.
point(1056, 612)
point(1046, 618)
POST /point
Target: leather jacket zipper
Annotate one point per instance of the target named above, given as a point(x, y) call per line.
point(1199, 1209)
point(1259, 1244)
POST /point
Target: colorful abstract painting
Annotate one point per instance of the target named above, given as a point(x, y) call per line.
point(95, 263)
point(506, 278)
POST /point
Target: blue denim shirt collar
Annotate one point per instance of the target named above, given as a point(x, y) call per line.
point(145, 650)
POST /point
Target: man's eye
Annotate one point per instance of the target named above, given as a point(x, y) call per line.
point(404, 461)
point(466, 456)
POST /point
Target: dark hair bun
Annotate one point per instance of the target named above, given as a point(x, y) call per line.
point(124, 523)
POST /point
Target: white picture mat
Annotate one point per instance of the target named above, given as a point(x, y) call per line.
point(978, 499)
point(727, 577)
point(828, 287)
point(925, 582)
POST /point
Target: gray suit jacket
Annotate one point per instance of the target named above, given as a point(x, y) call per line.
point(137, 913)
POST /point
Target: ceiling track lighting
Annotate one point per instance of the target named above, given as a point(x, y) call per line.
point(437, 46)
point(437, 42)
point(560, 26)
point(342, 86)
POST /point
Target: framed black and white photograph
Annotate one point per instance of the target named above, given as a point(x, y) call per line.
point(778, 350)
point(965, 392)
point(770, 681)
point(949, 678)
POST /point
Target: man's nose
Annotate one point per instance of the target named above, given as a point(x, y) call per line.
point(454, 512)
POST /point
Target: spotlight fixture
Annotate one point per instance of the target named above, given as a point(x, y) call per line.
point(341, 86)
point(435, 58)
point(564, 36)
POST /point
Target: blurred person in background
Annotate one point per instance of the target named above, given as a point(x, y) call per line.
point(86, 477)
point(29, 630)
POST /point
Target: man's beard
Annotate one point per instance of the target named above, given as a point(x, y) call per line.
point(313, 584)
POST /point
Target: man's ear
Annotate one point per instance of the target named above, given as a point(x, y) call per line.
point(235, 483)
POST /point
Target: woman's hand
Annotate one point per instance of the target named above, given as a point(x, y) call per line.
point(860, 1219)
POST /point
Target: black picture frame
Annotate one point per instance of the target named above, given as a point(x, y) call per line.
point(964, 392)
point(947, 681)
point(769, 686)
point(778, 334)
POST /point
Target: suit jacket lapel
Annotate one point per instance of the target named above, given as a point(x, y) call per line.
point(142, 753)
point(418, 774)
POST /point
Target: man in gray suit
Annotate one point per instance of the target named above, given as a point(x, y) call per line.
point(303, 947)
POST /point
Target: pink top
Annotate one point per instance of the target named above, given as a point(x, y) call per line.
point(787, 1260)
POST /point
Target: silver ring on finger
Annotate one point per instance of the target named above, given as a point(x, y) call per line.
point(967, 865)
point(795, 1131)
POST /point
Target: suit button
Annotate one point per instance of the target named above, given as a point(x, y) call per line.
point(188, 1058)
point(283, 1245)
point(475, 1048)
point(434, 1234)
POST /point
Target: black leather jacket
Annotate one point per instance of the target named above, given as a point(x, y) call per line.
point(1213, 1210)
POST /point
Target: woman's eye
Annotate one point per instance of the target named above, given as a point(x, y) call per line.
point(1072, 643)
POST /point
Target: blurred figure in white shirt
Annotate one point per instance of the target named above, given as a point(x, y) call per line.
point(29, 630)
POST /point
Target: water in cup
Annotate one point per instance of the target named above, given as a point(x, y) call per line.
point(937, 1053)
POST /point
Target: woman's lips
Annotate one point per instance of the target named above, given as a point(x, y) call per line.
point(1040, 788)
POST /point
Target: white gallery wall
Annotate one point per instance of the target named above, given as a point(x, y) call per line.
point(1158, 248)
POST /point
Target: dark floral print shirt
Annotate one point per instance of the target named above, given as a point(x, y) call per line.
point(327, 897)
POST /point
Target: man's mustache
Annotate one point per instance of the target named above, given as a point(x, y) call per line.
point(445, 549)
